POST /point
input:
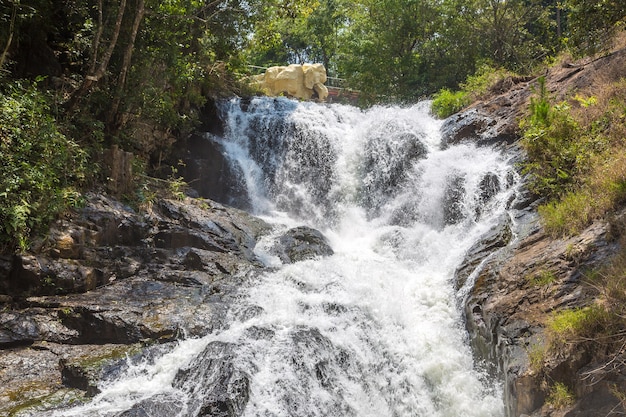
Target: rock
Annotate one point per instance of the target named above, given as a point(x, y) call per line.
point(453, 200)
point(507, 307)
point(387, 163)
point(498, 237)
point(157, 406)
point(301, 243)
point(54, 376)
point(109, 279)
point(217, 387)
point(107, 241)
point(489, 122)
point(210, 173)
point(84, 368)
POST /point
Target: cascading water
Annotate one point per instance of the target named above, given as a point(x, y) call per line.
point(373, 330)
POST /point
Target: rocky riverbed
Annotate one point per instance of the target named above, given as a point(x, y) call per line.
point(111, 283)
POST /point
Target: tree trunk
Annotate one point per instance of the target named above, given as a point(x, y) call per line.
point(128, 54)
point(94, 77)
point(5, 52)
point(95, 46)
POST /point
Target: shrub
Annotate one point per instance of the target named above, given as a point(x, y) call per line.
point(560, 396)
point(446, 102)
point(577, 156)
point(477, 86)
point(568, 215)
point(556, 154)
point(574, 325)
point(484, 80)
point(40, 169)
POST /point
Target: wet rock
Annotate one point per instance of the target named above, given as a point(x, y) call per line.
point(218, 389)
point(107, 241)
point(158, 406)
point(498, 237)
point(453, 200)
point(301, 243)
point(387, 163)
point(489, 186)
point(492, 121)
point(27, 326)
point(83, 367)
point(44, 275)
point(54, 376)
point(210, 173)
point(110, 276)
point(507, 307)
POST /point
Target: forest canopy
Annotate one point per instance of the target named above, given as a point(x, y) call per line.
point(391, 49)
point(80, 76)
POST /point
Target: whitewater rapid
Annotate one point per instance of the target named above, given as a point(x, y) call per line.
point(375, 329)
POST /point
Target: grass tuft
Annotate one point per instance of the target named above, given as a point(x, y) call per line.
point(560, 396)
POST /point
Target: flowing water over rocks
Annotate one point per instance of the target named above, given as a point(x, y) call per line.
point(341, 301)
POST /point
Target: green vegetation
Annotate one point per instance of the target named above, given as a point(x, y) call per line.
point(576, 156)
point(446, 102)
point(536, 356)
point(543, 278)
point(137, 73)
point(560, 396)
point(573, 325)
point(41, 167)
point(476, 87)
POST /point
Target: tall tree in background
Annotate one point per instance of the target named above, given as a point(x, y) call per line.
point(385, 45)
point(504, 33)
point(591, 23)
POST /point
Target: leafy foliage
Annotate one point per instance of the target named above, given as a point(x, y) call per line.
point(576, 156)
point(446, 103)
point(593, 22)
point(476, 86)
point(560, 396)
point(40, 168)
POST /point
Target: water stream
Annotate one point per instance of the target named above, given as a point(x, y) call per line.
point(375, 329)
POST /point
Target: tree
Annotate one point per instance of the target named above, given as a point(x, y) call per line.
point(592, 23)
point(386, 45)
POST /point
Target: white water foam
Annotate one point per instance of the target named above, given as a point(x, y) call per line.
point(375, 329)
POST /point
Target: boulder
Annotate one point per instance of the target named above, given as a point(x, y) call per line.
point(217, 387)
point(301, 243)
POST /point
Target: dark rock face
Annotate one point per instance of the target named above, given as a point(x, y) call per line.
point(301, 243)
point(506, 311)
point(219, 389)
point(108, 280)
point(211, 174)
point(496, 238)
point(387, 164)
point(490, 122)
point(452, 200)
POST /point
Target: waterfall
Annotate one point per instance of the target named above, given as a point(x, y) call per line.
point(376, 329)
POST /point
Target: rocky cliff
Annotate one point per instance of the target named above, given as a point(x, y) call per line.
point(516, 288)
